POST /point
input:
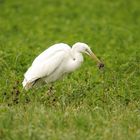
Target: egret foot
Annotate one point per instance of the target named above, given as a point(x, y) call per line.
point(51, 90)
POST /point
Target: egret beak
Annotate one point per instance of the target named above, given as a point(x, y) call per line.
point(99, 63)
point(93, 56)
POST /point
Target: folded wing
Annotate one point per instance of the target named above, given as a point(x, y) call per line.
point(43, 68)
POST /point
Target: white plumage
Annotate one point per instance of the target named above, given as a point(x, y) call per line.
point(54, 62)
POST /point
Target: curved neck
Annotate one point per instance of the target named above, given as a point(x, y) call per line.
point(74, 49)
point(76, 55)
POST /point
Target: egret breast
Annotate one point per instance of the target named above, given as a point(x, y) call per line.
point(57, 74)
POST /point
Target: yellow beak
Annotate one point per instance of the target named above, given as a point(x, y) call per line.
point(99, 63)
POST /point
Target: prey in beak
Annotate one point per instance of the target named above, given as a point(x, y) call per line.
point(93, 56)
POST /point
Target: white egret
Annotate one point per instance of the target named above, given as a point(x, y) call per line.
point(55, 62)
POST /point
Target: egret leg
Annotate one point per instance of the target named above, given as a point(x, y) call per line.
point(51, 90)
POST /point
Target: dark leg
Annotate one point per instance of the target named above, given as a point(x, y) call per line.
point(51, 90)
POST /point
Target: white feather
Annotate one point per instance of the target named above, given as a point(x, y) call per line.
point(54, 62)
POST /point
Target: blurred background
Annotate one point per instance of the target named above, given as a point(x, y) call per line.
point(89, 104)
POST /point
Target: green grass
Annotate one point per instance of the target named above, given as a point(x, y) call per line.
point(88, 104)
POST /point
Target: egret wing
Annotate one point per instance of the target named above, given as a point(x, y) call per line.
point(45, 67)
point(51, 51)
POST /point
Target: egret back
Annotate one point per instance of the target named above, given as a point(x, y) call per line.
point(51, 51)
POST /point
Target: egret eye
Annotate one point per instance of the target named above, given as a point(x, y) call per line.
point(86, 50)
point(74, 59)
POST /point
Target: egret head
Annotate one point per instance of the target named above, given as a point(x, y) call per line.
point(84, 48)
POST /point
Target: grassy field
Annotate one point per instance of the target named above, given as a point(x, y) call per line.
point(88, 104)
